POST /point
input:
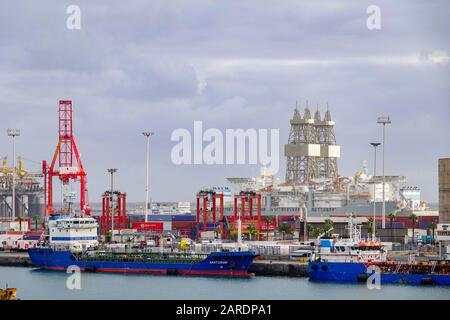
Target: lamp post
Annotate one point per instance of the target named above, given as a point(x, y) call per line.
point(147, 134)
point(112, 171)
point(374, 145)
point(13, 133)
point(384, 121)
point(305, 221)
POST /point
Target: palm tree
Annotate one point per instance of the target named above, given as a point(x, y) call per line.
point(268, 220)
point(284, 229)
point(318, 232)
point(413, 218)
point(391, 218)
point(20, 219)
point(251, 231)
point(230, 230)
point(370, 226)
point(328, 224)
point(432, 226)
point(309, 230)
point(108, 236)
point(218, 230)
point(36, 220)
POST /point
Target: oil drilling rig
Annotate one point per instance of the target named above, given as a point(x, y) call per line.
point(28, 190)
point(311, 151)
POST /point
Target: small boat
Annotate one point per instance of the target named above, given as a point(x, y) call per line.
point(8, 294)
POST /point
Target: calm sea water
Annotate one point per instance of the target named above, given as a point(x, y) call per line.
point(39, 284)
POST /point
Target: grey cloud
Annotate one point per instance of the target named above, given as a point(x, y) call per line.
point(138, 65)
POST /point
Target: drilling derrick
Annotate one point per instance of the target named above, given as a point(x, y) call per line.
point(66, 152)
point(302, 151)
point(329, 150)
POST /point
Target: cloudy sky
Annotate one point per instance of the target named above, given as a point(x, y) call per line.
point(160, 65)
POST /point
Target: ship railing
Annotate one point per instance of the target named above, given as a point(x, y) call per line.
point(433, 266)
point(146, 257)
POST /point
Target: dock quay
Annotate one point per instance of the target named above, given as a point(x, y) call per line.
point(15, 259)
point(279, 268)
point(259, 267)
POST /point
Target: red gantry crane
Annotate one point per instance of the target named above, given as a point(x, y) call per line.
point(66, 151)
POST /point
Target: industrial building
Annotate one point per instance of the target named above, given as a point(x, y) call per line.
point(314, 191)
point(28, 191)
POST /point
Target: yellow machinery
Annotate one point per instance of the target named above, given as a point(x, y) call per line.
point(5, 168)
point(8, 294)
point(184, 244)
point(8, 170)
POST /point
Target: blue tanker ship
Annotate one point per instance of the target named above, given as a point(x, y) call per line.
point(227, 264)
point(437, 272)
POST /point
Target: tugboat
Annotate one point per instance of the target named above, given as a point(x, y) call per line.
point(350, 260)
point(8, 294)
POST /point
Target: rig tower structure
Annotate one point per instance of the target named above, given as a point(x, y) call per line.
point(329, 150)
point(311, 151)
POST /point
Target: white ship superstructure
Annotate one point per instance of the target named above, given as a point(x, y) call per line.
point(77, 233)
point(352, 249)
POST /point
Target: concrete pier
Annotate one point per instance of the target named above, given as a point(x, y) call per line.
point(259, 267)
point(279, 268)
point(14, 259)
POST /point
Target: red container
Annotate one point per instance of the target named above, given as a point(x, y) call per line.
point(148, 226)
point(182, 225)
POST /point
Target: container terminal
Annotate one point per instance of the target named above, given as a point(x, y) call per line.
point(275, 219)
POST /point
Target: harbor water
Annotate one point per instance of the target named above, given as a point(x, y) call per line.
point(39, 284)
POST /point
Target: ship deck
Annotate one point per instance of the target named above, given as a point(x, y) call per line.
point(172, 257)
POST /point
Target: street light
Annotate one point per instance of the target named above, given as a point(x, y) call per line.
point(13, 133)
point(112, 171)
point(374, 145)
point(305, 220)
point(147, 134)
point(384, 121)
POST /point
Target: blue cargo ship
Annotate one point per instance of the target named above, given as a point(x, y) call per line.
point(437, 272)
point(356, 260)
point(227, 264)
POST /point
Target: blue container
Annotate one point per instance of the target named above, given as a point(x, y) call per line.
point(326, 243)
point(184, 217)
point(208, 226)
point(159, 217)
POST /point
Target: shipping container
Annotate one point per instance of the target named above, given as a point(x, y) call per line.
point(167, 225)
point(183, 224)
point(208, 226)
point(184, 217)
point(148, 226)
point(181, 229)
point(159, 217)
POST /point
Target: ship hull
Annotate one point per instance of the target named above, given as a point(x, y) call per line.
point(355, 272)
point(227, 264)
